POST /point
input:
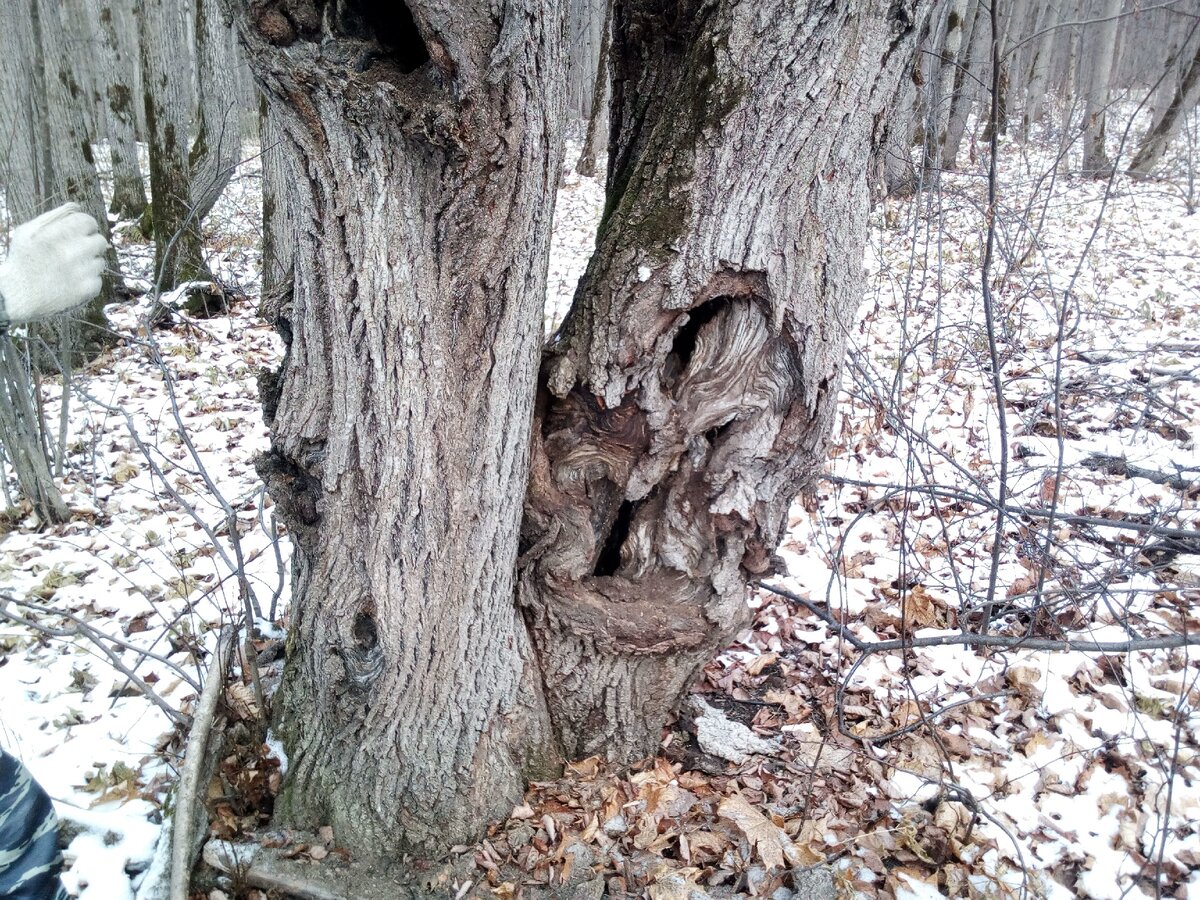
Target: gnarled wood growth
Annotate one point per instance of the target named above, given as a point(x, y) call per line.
point(689, 394)
point(425, 141)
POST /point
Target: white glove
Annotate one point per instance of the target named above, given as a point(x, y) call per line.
point(54, 263)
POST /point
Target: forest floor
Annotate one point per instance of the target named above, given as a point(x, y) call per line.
point(952, 769)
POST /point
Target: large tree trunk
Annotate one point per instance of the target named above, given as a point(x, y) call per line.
point(689, 394)
point(427, 149)
point(21, 163)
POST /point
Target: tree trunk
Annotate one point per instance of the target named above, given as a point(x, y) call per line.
point(278, 250)
point(74, 177)
point(118, 65)
point(689, 394)
point(966, 85)
point(941, 85)
point(1102, 49)
point(1154, 145)
point(597, 129)
point(218, 146)
point(178, 247)
point(427, 152)
point(1039, 66)
point(21, 164)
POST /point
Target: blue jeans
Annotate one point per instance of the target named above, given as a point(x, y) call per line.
point(29, 856)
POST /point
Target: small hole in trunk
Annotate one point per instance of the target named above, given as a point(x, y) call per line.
point(609, 559)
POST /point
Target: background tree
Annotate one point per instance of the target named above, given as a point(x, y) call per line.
point(178, 246)
point(685, 401)
point(117, 61)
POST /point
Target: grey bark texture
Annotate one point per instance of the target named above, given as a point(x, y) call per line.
point(1041, 55)
point(1166, 125)
point(217, 147)
point(427, 153)
point(942, 84)
point(968, 77)
point(595, 139)
point(1101, 42)
point(73, 176)
point(21, 162)
point(178, 247)
point(689, 393)
point(117, 59)
point(685, 401)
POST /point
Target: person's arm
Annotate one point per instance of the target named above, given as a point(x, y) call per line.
point(54, 263)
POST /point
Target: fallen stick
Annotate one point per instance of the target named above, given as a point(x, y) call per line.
point(193, 762)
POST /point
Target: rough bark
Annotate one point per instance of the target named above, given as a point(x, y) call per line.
point(689, 394)
point(178, 247)
point(427, 154)
point(1102, 48)
point(1154, 145)
point(118, 64)
point(279, 225)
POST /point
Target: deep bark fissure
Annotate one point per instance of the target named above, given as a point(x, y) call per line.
point(684, 402)
point(689, 393)
point(411, 705)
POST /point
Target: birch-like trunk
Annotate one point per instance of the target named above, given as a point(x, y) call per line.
point(1102, 48)
point(689, 394)
point(426, 147)
point(118, 65)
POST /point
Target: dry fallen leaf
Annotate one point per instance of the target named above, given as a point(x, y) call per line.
point(768, 839)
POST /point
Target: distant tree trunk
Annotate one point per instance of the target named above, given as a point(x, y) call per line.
point(966, 84)
point(1039, 68)
point(1102, 47)
point(1154, 145)
point(218, 146)
point(21, 163)
point(597, 130)
point(178, 247)
point(585, 25)
point(689, 393)
point(278, 248)
point(427, 150)
point(73, 177)
point(118, 64)
point(942, 84)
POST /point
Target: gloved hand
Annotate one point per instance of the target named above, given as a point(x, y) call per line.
point(54, 263)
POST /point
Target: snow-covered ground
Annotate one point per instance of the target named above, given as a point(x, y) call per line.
point(1062, 774)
